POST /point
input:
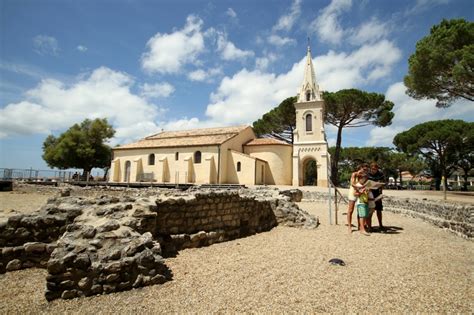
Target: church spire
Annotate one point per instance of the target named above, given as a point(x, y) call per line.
point(309, 90)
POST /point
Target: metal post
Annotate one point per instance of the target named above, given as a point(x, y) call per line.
point(335, 204)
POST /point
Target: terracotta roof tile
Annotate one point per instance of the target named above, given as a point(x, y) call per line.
point(184, 138)
point(266, 141)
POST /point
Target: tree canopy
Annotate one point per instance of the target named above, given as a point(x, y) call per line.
point(81, 146)
point(279, 119)
point(354, 108)
point(442, 66)
point(438, 141)
point(391, 162)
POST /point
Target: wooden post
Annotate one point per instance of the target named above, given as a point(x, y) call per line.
point(335, 203)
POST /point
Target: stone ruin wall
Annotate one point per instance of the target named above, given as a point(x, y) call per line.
point(107, 244)
point(457, 218)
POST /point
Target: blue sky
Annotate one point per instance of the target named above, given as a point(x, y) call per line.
point(182, 64)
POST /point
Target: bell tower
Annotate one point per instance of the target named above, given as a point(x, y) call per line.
point(310, 149)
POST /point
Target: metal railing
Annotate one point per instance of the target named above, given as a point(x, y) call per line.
point(35, 175)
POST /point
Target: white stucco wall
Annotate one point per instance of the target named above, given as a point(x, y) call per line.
point(234, 144)
point(166, 167)
point(278, 157)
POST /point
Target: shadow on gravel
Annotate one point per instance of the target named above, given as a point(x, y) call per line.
point(387, 230)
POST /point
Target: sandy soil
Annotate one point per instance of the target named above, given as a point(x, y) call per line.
point(415, 267)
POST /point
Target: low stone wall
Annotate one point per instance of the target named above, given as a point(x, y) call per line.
point(455, 217)
point(28, 255)
point(108, 244)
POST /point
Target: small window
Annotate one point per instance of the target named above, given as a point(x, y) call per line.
point(238, 166)
point(308, 96)
point(151, 159)
point(197, 157)
point(176, 156)
point(309, 122)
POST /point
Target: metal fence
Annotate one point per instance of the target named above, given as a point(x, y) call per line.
point(35, 175)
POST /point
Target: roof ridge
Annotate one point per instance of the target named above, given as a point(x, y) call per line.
point(197, 132)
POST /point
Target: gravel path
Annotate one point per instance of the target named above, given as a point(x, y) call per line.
point(414, 268)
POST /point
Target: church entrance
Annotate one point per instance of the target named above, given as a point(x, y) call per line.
point(310, 173)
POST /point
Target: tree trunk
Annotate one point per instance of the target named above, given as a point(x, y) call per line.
point(335, 159)
point(86, 173)
point(464, 185)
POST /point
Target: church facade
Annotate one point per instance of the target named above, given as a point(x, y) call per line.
point(233, 155)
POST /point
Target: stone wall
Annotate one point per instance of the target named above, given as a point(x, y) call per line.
point(28, 255)
point(455, 217)
point(107, 244)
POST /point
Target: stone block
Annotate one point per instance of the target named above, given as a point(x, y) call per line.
point(14, 264)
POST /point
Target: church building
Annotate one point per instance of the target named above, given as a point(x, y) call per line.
point(233, 155)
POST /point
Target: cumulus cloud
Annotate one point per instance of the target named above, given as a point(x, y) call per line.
point(410, 112)
point(248, 94)
point(46, 45)
point(286, 22)
point(262, 63)
point(280, 41)
point(327, 24)
point(228, 51)
point(53, 106)
point(201, 75)
point(369, 32)
point(168, 53)
point(245, 96)
point(368, 63)
point(81, 48)
point(156, 90)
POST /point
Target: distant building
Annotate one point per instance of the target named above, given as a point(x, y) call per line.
point(233, 155)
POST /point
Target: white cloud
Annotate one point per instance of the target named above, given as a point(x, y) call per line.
point(245, 96)
point(201, 75)
point(248, 94)
point(423, 5)
point(410, 112)
point(231, 13)
point(156, 90)
point(366, 64)
point(28, 70)
point(228, 50)
point(81, 48)
point(369, 32)
point(280, 41)
point(286, 22)
point(105, 93)
point(168, 53)
point(327, 25)
point(46, 45)
point(262, 63)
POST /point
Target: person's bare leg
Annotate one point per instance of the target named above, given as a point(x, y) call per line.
point(369, 219)
point(362, 226)
point(350, 210)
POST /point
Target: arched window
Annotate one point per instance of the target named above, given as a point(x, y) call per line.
point(239, 165)
point(197, 157)
point(308, 96)
point(151, 159)
point(176, 156)
point(309, 122)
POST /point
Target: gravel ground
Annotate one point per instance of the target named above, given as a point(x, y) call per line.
point(415, 267)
